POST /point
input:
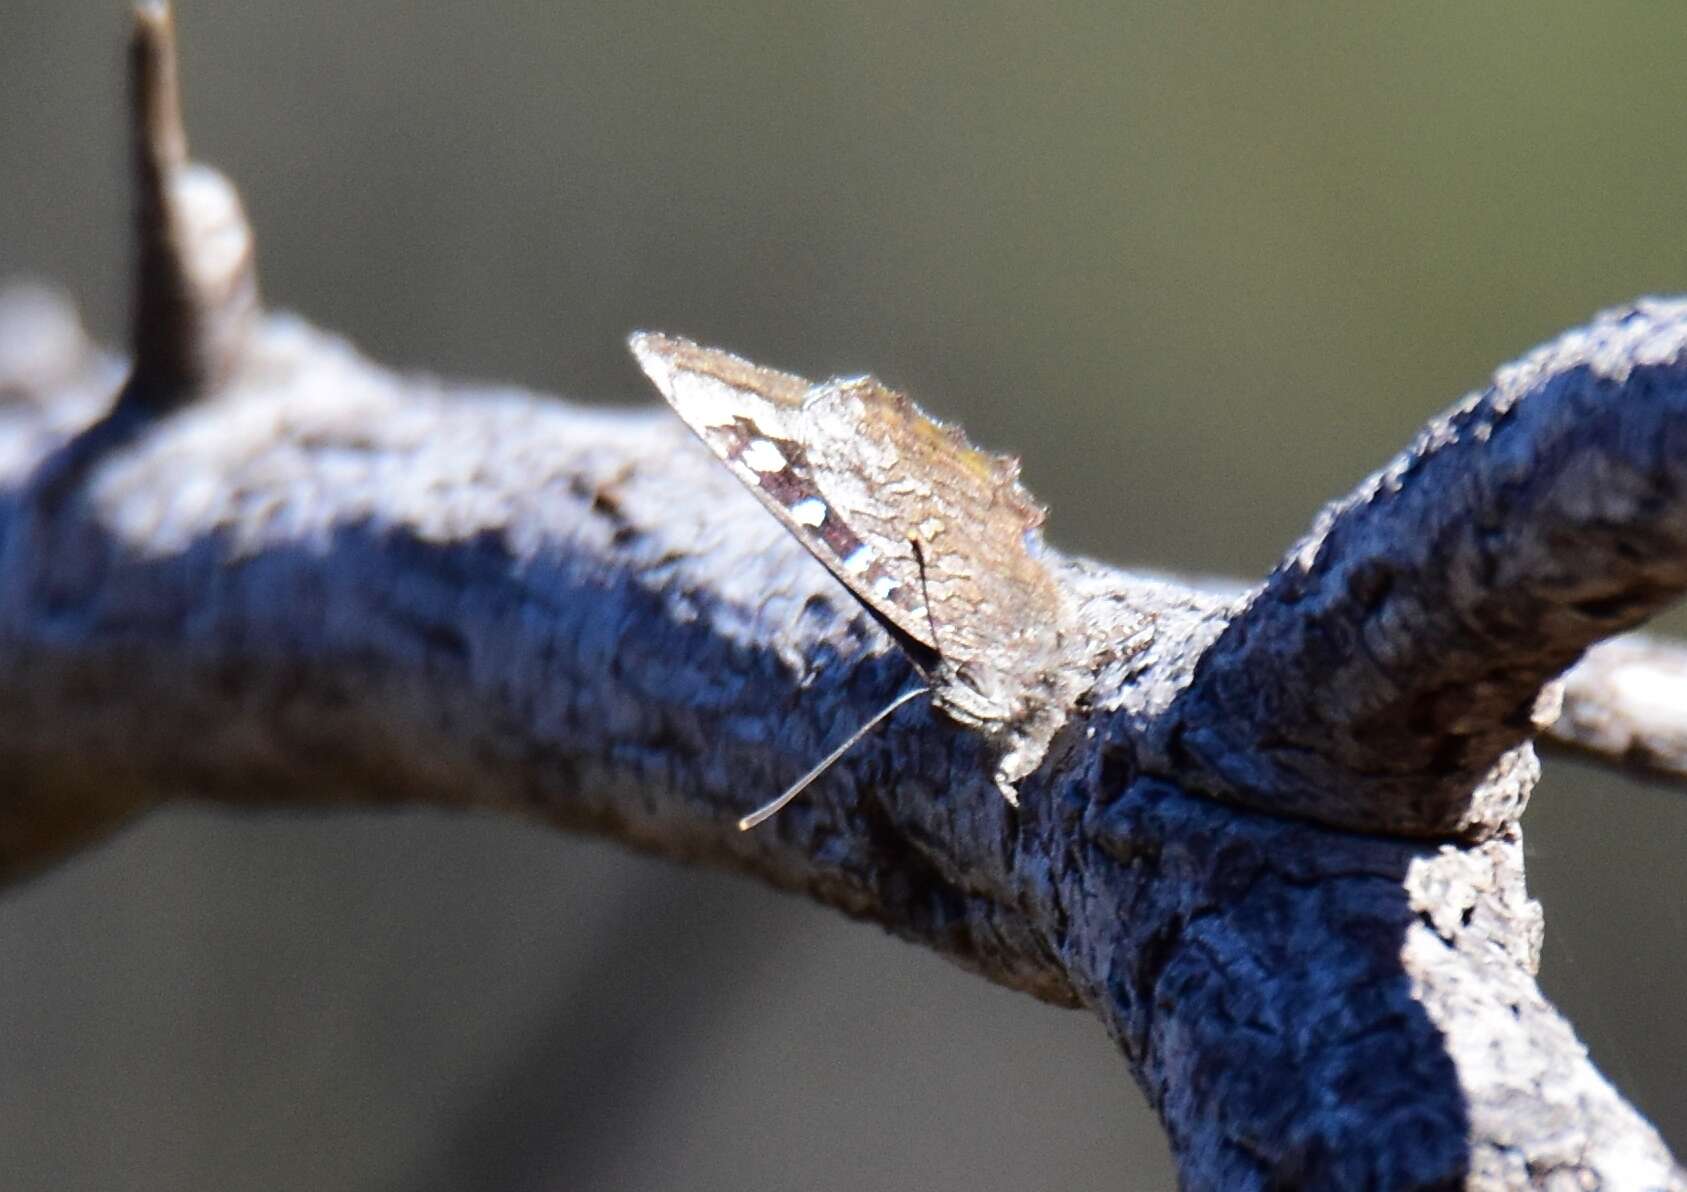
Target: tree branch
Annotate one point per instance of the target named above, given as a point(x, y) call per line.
point(1397, 654)
point(309, 581)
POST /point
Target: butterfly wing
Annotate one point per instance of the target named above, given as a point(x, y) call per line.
point(899, 506)
point(755, 420)
point(918, 488)
point(935, 538)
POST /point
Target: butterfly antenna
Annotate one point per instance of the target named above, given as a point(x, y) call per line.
point(827, 762)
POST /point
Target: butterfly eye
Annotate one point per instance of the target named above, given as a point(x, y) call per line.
point(981, 681)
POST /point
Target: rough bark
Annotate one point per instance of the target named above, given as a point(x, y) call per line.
point(1402, 650)
point(298, 579)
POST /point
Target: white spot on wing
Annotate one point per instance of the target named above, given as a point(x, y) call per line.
point(763, 456)
point(859, 558)
point(884, 586)
point(810, 511)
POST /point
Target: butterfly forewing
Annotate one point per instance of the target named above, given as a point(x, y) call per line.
point(755, 420)
point(933, 535)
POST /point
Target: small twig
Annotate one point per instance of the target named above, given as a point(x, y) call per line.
point(1625, 704)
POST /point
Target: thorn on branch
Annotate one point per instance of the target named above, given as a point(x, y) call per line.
point(195, 283)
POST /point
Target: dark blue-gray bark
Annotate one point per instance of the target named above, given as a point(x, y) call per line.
point(327, 583)
point(1400, 651)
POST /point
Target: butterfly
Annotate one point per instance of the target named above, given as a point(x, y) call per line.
point(936, 539)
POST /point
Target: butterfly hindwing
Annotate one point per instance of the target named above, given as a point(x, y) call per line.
point(956, 513)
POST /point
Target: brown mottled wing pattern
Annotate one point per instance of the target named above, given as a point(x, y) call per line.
point(955, 518)
point(754, 419)
point(933, 535)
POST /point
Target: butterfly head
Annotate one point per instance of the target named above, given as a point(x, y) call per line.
point(974, 694)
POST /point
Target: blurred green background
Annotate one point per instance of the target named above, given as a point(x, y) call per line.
point(1204, 265)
